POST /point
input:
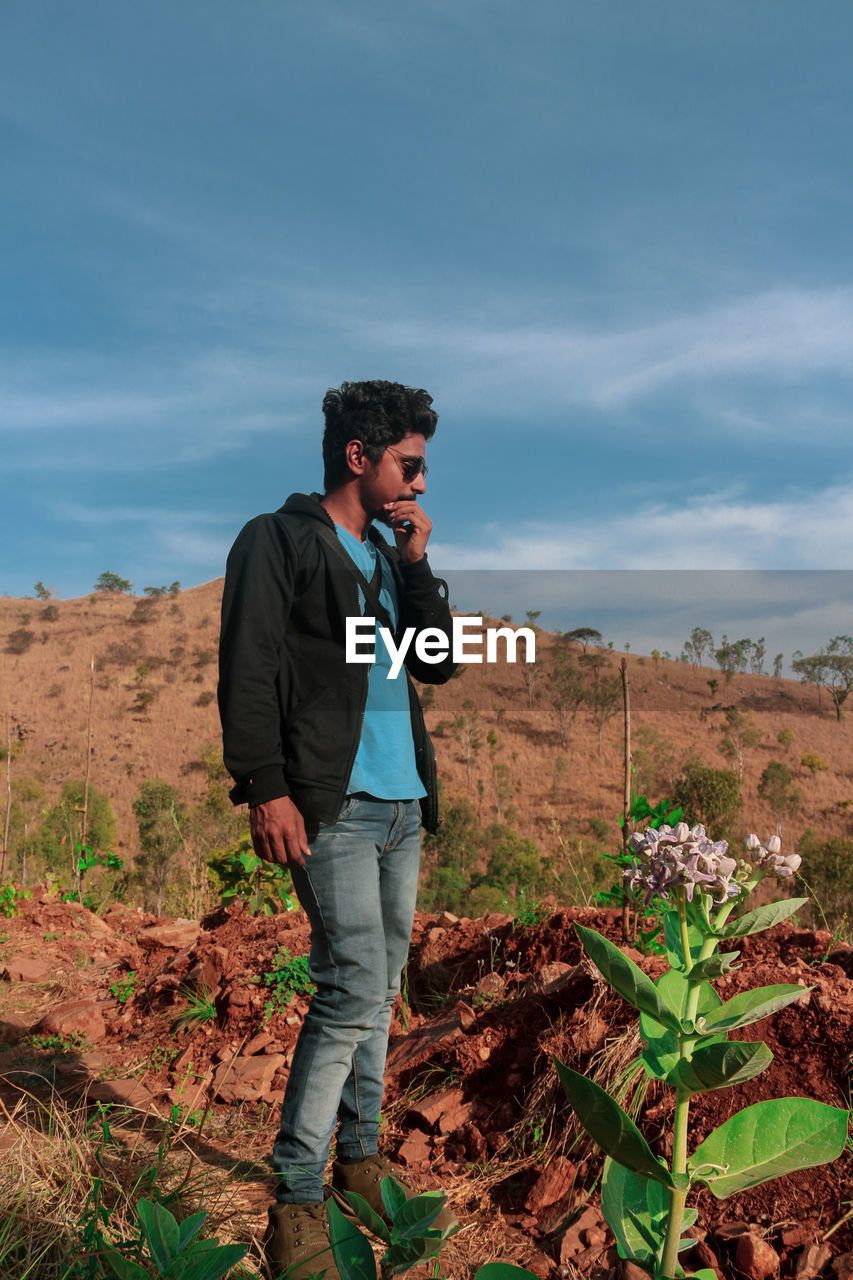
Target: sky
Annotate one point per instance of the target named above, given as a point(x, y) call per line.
point(612, 240)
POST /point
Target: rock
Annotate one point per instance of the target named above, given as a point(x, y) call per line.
point(447, 918)
point(842, 1266)
point(214, 963)
point(553, 1184)
point(731, 1230)
point(812, 1261)
point(475, 1143)
point(246, 1079)
point(756, 1258)
point(594, 1237)
point(467, 1017)
point(843, 957)
point(705, 1257)
point(572, 1244)
point(73, 1017)
point(541, 1265)
point(489, 986)
point(258, 1043)
point(415, 1150)
point(123, 1092)
point(444, 1111)
point(408, 1050)
point(802, 1233)
point(631, 1271)
point(26, 969)
point(174, 936)
point(549, 978)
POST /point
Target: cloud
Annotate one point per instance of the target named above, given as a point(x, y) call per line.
point(706, 531)
point(783, 335)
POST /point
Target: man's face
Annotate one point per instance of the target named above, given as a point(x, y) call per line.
point(397, 476)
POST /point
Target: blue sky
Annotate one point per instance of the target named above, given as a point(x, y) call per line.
point(613, 241)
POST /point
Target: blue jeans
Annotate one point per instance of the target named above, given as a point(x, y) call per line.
point(358, 889)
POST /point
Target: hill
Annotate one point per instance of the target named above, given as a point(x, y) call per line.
point(153, 714)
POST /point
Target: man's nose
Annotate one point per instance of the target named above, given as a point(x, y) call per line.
point(418, 485)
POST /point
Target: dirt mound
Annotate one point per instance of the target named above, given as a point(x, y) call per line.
point(161, 1014)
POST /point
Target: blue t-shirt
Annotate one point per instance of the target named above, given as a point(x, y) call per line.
point(385, 761)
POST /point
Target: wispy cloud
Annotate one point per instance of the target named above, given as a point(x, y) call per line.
point(782, 335)
point(709, 531)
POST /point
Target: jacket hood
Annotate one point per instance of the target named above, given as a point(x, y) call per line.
point(308, 506)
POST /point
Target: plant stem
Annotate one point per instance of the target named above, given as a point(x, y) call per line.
point(677, 1196)
point(682, 926)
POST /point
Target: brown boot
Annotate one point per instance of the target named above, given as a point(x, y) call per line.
point(366, 1178)
point(296, 1244)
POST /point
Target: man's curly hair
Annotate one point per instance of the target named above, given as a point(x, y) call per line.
point(376, 413)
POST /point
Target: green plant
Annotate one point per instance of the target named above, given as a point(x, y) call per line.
point(618, 894)
point(124, 988)
point(175, 1249)
point(685, 1027)
point(811, 760)
point(785, 737)
point(288, 978)
point(261, 885)
point(10, 900)
point(407, 1233)
point(528, 912)
point(200, 1008)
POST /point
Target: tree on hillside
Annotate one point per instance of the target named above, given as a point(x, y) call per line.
point(566, 692)
point(827, 873)
point(740, 735)
point(113, 584)
point(466, 731)
point(710, 796)
point(61, 831)
point(831, 669)
point(700, 643)
point(159, 814)
point(604, 699)
point(585, 636)
point(25, 810)
point(777, 788)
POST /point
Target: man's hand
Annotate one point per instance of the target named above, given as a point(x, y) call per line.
point(412, 528)
point(278, 832)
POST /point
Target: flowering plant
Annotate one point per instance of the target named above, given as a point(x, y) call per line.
point(684, 1026)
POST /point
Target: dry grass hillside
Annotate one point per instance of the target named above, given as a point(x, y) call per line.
point(154, 712)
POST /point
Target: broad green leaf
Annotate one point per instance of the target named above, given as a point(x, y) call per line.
point(352, 1252)
point(609, 1126)
point(189, 1228)
point(763, 917)
point(715, 966)
point(503, 1271)
point(367, 1216)
point(661, 1053)
point(636, 1208)
point(767, 1140)
point(626, 977)
point(124, 1268)
point(161, 1232)
point(706, 1273)
point(403, 1254)
point(672, 939)
point(752, 1006)
point(418, 1214)
point(215, 1264)
point(716, 1066)
point(393, 1196)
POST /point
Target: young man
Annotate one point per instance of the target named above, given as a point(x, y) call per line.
point(336, 765)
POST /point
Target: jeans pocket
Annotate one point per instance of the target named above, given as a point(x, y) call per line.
point(348, 806)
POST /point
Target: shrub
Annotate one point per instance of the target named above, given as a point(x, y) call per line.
point(830, 877)
point(785, 737)
point(19, 641)
point(49, 613)
point(112, 584)
point(811, 760)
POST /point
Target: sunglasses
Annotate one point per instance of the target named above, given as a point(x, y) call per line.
point(410, 467)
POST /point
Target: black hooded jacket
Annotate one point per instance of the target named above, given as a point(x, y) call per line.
point(291, 706)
